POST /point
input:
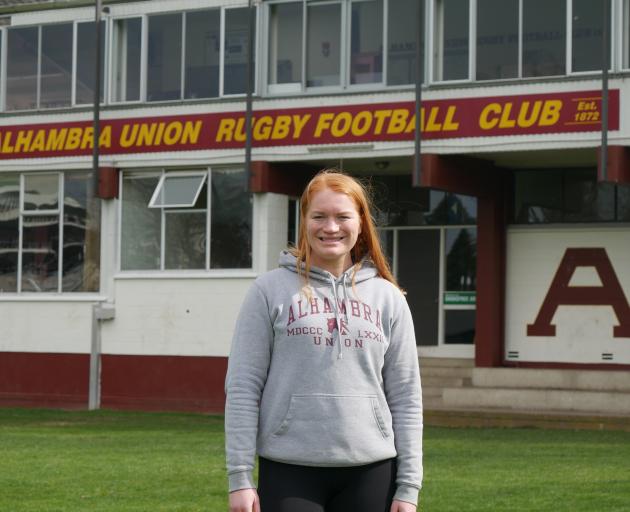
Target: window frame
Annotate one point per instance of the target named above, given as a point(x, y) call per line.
point(160, 187)
point(301, 87)
point(105, 68)
point(144, 36)
point(57, 213)
point(207, 271)
point(619, 55)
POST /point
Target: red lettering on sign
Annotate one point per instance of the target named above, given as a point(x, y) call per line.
point(561, 294)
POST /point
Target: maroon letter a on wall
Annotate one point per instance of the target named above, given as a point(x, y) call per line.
point(561, 294)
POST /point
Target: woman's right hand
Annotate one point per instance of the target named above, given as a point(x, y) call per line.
point(244, 500)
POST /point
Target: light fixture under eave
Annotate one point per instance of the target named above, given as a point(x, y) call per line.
point(381, 165)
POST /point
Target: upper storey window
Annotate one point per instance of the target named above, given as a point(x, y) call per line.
point(340, 43)
point(502, 39)
point(41, 71)
point(188, 55)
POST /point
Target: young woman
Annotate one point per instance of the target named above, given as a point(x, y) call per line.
point(323, 380)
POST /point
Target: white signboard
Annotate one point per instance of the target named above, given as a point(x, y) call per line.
point(568, 295)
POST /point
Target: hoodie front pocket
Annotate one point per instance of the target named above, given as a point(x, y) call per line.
point(340, 429)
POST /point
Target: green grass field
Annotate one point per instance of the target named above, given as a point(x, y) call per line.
point(119, 461)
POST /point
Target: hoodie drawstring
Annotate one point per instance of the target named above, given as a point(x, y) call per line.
point(336, 306)
point(337, 319)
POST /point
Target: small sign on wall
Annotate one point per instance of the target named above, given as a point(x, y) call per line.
point(460, 298)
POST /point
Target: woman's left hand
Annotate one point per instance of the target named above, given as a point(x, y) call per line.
point(402, 506)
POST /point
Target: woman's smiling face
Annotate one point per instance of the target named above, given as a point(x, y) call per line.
point(333, 225)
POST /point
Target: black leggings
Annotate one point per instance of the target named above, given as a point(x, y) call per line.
point(290, 488)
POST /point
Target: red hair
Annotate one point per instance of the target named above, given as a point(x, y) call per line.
point(368, 243)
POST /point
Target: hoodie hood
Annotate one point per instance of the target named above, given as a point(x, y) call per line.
point(366, 271)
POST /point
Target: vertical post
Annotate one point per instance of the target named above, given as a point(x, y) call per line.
point(605, 65)
point(417, 168)
point(94, 399)
point(251, 19)
point(94, 390)
point(96, 122)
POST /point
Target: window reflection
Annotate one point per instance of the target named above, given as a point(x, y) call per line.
point(9, 231)
point(141, 226)
point(40, 253)
point(86, 54)
point(56, 66)
point(459, 326)
point(461, 259)
point(401, 41)
point(544, 38)
point(164, 57)
point(81, 234)
point(127, 49)
point(497, 39)
point(587, 32)
point(22, 57)
point(235, 55)
point(323, 49)
point(366, 48)
point(285, 43)
point(203, 40)
point(455, 19)
point(231, 220)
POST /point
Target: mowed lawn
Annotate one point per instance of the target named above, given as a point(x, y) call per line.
point(122, 461)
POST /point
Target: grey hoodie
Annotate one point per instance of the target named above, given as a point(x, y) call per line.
point(324, 378)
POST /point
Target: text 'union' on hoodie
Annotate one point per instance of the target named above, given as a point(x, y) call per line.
point(324, 378)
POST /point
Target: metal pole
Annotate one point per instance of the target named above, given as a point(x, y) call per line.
point(250, 88)
point(94, 395)
point(605, 66)
point(417, 170)
point(96, 122)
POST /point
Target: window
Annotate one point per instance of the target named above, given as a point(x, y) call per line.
point(453, 43)
point(566, 195)
point(127, 59)
point(235, 51)
point(459, 297)
point(56, 65)
point(39, 67)
point(402, 40)
point(366, 47)
point(430, 239)
point(587, 35)
point(497, 39)
point(521, 38)
point(544, 38)
point(86, 55)
point(165, 57)
point(341, 43)
point(50, 232)
point(177, 190)
point(22, 68)
point(293, 222)
point(168, 217)
point(184, 54)
point(323, 47)
point(203, 55)
point(285, 43)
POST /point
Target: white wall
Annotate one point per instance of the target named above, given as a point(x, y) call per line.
point(35, 326)
point(583, 333)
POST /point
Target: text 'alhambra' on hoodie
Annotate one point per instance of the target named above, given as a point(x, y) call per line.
point(324, 376)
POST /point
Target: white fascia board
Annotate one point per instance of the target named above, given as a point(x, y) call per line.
point(52, 16)
point(164, 6)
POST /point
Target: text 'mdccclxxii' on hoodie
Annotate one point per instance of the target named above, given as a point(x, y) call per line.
point(324, 378)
